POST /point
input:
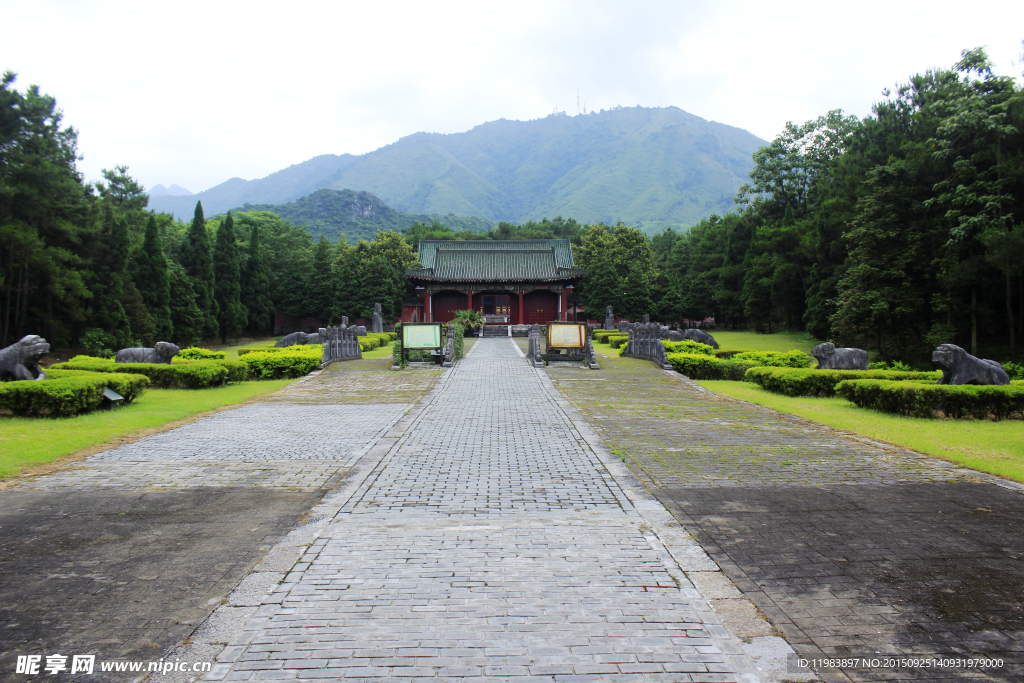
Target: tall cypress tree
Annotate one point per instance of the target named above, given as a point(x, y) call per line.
point(197, 259)
point(152, 282)
point(231, 314)
point(108, 285)
point(323, 286)
point(256, 287)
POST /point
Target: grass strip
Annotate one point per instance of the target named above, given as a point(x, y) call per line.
point(993, 447)
point(30, 442)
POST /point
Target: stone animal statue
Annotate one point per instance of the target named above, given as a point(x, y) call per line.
point(960, 367)
point(701, 337)
point(831, 358)
point(361, 331)
point(162, 353)
point(676, 335)
point(378, 321)
point(291, 340)
point(20, 360)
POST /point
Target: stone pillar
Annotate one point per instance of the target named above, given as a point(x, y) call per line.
point(521, 316)
point(428, 308)
point(563, 301)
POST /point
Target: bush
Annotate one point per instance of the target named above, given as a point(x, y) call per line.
point(281, 363)
point(369, 343)
point(385, 337)
point(1014, 370)
point(617, 340)
point(273, 349)
point(776, 359)
point(237, 370)
point(98, 343)
point(67, 392)
point(602, 335)
point(688, 346)
point(808, 382)
point(192, 375)
point(924, 400)
point(196, 353)
point(706, 366)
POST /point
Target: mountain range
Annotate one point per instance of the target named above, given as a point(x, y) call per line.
point(357, 215)
point(647, 167)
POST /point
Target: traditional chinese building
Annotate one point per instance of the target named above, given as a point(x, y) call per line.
point(512, 282)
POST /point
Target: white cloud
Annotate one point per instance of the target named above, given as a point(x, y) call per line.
point(196, 92)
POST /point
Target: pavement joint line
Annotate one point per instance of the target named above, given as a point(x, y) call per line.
point(656, 517)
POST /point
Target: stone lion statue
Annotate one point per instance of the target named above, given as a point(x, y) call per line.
point(20, 360)
point(960, 367)
point(701, 337)
point(292, 339)
point(831, 358)
point(163, 353)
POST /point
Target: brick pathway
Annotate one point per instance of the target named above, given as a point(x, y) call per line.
point(124, 554)
point(850, 548)
point(485, 537)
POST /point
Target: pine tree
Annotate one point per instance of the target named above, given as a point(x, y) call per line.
point(109, 277)
point(151, 280)
point(323, 287)
point(231, 315)
point(256, 287)
point(186, 317)
point(197, 259)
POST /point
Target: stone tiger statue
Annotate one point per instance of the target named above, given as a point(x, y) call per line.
point(20, 360)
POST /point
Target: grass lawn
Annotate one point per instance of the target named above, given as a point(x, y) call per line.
point(379, 352)
point(993, 447)
point(779, 341)
point(28, 442)
point(232, 351)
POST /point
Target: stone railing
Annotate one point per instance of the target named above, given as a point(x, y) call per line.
point(449, 347)
point(340, 343)
point(645, 342)
point(533, 355)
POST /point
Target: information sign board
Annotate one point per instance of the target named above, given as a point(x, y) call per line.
point(567, 335)
point(421, 335)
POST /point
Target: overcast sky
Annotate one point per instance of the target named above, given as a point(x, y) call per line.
point(196, 93)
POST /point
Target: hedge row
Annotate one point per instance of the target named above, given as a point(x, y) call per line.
point(386, 336)
point(293, 361)
point(924, 400)
point(703, 366)
point(196, 353)
point(193, 375)
point(688, 346)
point(273, 349)
point(617, 340)
point(775, 359)
point(67, 392)
point(808, 382)
point(602, 335)
point(369, 343)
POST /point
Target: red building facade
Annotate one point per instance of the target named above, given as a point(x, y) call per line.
point(512, 282)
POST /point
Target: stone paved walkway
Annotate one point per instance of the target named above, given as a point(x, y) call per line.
point(851, 549)
point(486, 538)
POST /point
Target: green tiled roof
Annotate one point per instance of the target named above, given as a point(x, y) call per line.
point(429, 248)
point(496, 261)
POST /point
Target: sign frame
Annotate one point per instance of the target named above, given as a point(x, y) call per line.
point(419, 344)
point(567, 336)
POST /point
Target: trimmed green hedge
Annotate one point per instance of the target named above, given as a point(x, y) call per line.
point(370, 343)
point(617, 340)
point(385, 336)
point(924, 400)
point(776, 359)
point(726, 354)
point(602, 335)
point(688, 346)
point(273, 349)
point(192, 375)
point(280, 363)
point(705, 366)
point(67, 392)
point(809, 382)
point(196, 353)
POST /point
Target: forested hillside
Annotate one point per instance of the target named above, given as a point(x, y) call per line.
point(649, 167)
point(356, 215)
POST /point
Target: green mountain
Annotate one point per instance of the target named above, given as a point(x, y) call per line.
point(357, 215)
point(648, 167)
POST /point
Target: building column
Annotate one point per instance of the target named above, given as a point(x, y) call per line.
point(469, 299)
point(563, 303)
point(428, 312)
point(521, 317)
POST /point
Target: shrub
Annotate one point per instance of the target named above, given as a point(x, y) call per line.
point(196, 353)
point(385, 337)
point(688, 346)
point(1014, 370)
point(192, 375)
point(725, 354)
point(98, 343)
point(237, 370)
point(602, 335)
point(776, 359)
point(924, 400)
point(280, 363)
point(808, 382)
point(67, 392)
point(706, 366)
point(617, 340)
point(369, 343)
point(273, 349)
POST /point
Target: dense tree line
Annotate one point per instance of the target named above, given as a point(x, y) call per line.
point(87, 264)
point(896, 232)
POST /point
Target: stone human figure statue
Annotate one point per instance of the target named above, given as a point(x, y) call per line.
point(647, 318)
point(609, 319)
point(378, 321)
point(344, 321)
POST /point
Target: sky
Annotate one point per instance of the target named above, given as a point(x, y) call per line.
point(195, 93)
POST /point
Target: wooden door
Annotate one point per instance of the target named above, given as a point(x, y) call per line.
point(541, 307)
